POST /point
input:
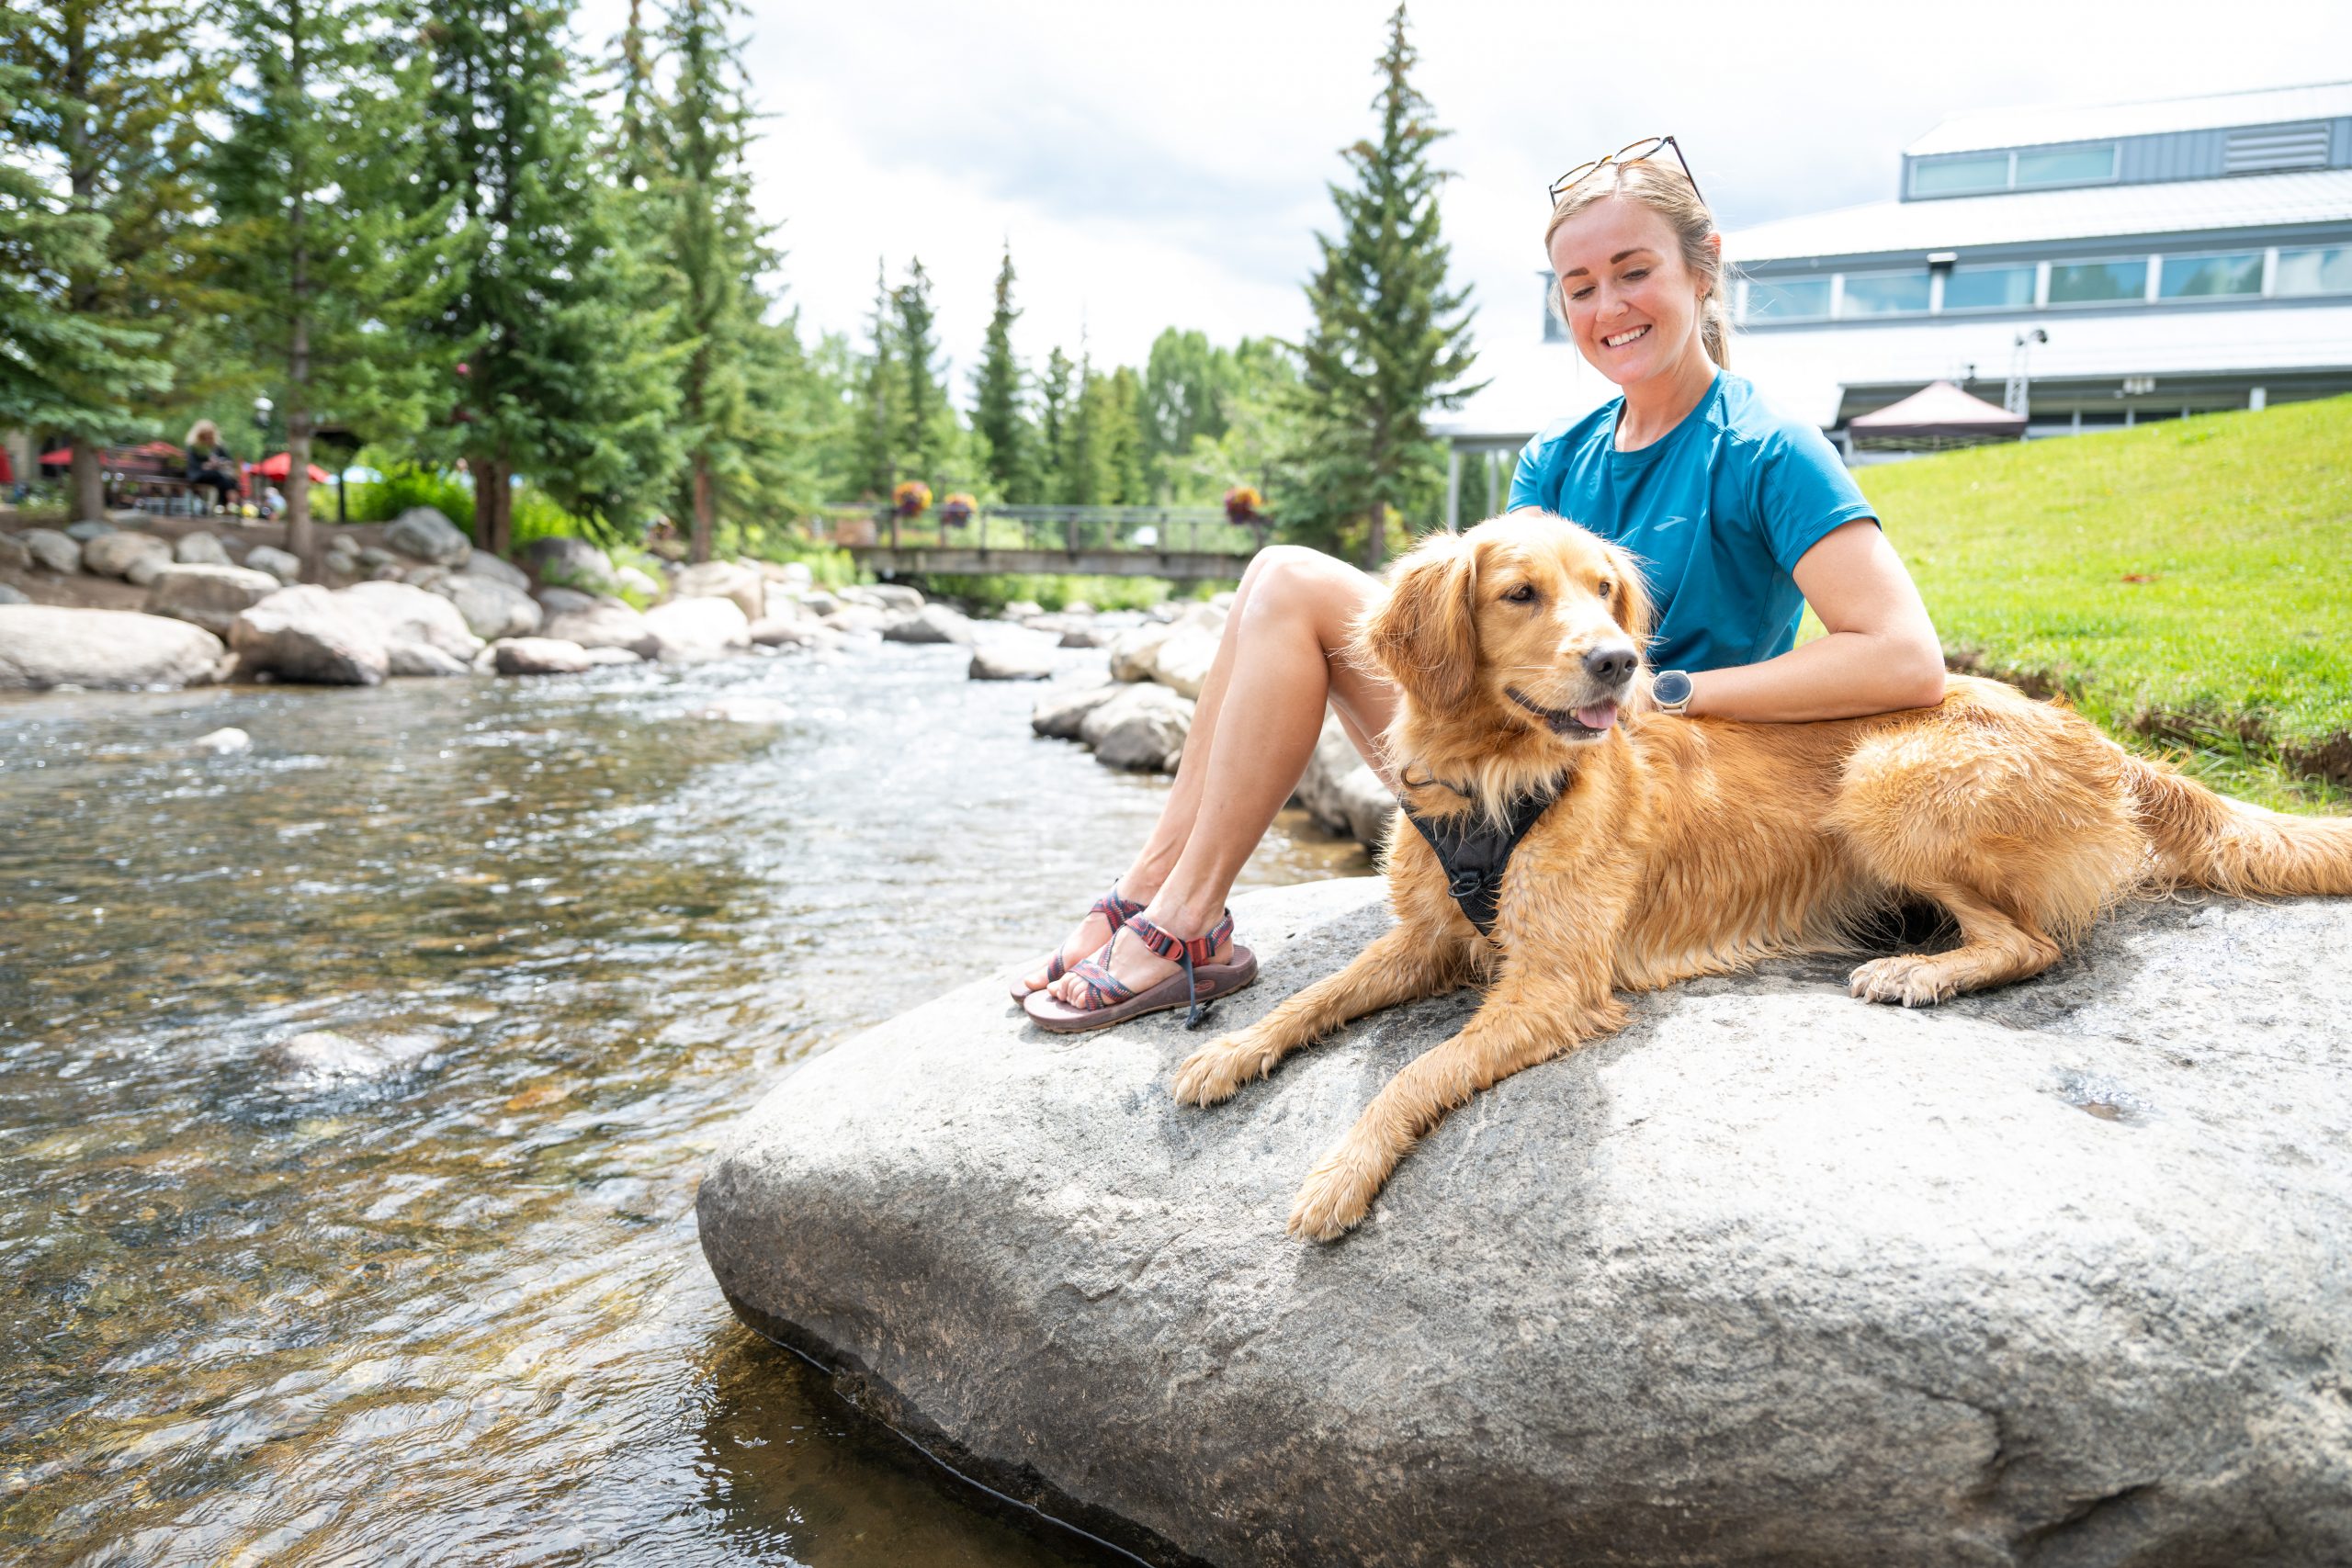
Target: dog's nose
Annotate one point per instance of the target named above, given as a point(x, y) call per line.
point(1611, 662)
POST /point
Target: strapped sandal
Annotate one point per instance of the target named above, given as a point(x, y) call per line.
point(1110, 1000)
point(1115, 912)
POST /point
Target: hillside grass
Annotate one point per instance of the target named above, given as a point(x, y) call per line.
point(2188, 585)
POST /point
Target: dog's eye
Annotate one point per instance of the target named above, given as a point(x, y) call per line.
point(1522, 594)
point(1606, 587)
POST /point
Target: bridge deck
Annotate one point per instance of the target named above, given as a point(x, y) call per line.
point(1183, 544)
point(1185, 566)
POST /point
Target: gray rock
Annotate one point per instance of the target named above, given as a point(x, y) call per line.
point(1341, 793)
point(784, 631)
point(426, 577)
point(1181, 661)
point(1166, 609)
point(998, 662)
point(566, 562)
point(1023, 610)
point(858, 593)
point(893, 596)
point(48, 645)
point(857, 620)
point(87, 530)
point(599, 657)
point(423, 534)
point(491, 609)
point(690, 630)
point(211, 596)
point(628, 579)
point(408, 614)
point(423, 659)
point(603, 623)
point(221, 743)
point(1133, 653)
point(13, 595)
point(1058, 713)
point(564, 601)
point(311, 635)
point(283, 565)
point(322, 1059)
point(724, 579)
point(539, 656)
point(14, 553)
point(932, 623)
point(373, 556)
point(481, 563)
point(1143, 728)
point(115, 552)
point(1088, 637)
point(200, 549)
point(2055, 1274)
point(145, 568)
point(819, 604)
point(51, 550)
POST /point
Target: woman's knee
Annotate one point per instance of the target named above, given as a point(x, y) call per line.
point(1291, 580)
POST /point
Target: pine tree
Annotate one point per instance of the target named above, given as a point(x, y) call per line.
point(1056, 405)
point(311, 256)
point(997, 414)
point(555, 372)
point(1125, 449)
point(873, 446)
point(1187, 385)
point(111, 95)
point(1081, 454)
point(924, 427)
point(1390, 341)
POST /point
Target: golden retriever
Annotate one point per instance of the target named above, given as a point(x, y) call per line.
point(1678, 847)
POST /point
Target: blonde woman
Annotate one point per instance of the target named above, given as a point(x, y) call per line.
point(1741, 515)
point(210, 467)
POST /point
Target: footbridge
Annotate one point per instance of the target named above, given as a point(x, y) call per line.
point(1183, 544)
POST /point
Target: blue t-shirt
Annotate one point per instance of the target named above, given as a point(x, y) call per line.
point(1719, 512)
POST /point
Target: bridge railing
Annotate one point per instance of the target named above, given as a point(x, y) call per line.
point(1140, 530)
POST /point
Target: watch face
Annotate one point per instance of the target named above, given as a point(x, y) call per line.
point(1672, 686)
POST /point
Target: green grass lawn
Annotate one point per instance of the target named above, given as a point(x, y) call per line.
point(2188, 585)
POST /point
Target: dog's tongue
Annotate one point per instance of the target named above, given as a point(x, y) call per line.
point(1599, 716)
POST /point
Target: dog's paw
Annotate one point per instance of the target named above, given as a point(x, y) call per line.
point(1906, 978)
point(1335, 1199)
point(1213, 1072)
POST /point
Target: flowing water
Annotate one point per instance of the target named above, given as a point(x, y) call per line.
point(440, 1301)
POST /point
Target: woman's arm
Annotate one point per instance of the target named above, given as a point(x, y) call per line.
point(1881, 652)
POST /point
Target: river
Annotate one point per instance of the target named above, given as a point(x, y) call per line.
point(452, 1310)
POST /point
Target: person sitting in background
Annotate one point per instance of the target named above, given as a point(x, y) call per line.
point(273, 502)
point(210, 467)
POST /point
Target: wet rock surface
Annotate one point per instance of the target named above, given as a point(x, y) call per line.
point(2058, 1273)
point(43, 646)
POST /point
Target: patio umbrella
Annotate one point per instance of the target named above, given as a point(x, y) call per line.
point(1939, 414)
point(275, 467)
point(57, 458)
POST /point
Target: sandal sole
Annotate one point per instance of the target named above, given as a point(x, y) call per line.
point(1211, 982)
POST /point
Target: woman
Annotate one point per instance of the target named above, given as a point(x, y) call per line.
point(210, 467)
point(1740, 516)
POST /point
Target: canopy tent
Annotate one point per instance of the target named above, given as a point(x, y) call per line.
point(277, 468)
point(1939, 414)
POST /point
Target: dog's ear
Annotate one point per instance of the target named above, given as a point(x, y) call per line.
point(1635, 612)
point(1423, 636)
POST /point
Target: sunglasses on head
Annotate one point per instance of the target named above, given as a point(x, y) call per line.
point(1632, 152)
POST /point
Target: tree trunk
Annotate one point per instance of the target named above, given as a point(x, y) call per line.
point(89, 491)
point(1375, 549)
point(299, 421)
point(704, 520)
point(494, 507)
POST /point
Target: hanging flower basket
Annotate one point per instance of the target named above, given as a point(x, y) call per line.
point(1244, 506)
point(912, 499)
point(957, 509)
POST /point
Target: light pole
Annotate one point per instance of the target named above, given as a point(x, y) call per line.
point(2014, 396)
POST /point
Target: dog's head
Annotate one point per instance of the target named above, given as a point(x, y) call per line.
point(1527, 621)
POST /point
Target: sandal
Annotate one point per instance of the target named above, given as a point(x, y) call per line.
point(1114, 911)
point(1110, 1000)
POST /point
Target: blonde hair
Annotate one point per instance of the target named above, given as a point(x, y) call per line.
point(204, 432)
point(1662, 188)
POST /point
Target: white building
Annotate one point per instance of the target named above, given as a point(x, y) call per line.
point(2125, 262)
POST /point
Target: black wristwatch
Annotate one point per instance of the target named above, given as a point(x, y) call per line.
point(1671, 691)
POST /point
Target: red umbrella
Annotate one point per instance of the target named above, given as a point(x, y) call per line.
point(275, 467)
point(57, 458)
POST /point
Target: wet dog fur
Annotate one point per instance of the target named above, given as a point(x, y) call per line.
point(1682, 847)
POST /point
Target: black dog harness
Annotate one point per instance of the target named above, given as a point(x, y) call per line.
point(1475, 852)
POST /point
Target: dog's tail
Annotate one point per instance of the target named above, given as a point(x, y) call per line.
point(2204, 840)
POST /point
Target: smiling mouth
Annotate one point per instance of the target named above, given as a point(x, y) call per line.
point(1622, 339)
point(1575, 724)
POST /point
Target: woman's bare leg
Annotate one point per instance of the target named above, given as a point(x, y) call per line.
point(1261, 710)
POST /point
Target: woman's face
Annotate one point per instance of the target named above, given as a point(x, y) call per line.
point(1632, 303)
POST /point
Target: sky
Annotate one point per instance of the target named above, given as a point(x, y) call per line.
point(1166, 166)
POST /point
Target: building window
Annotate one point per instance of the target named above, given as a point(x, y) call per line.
point(1989, 288)
point(1884, 294)
point(1963, 176)
point(2098, 282)
point(2327, 270)
point(2066, 167)
point(1787, 298)
point(2195, 277)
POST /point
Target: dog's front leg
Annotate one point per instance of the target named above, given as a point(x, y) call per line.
point(1526, 1019)
point(1404, 964)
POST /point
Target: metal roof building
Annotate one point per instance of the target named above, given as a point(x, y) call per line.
point(2103, 266)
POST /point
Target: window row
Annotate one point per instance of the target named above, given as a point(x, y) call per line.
point(1973, 174)
point(1849, 296)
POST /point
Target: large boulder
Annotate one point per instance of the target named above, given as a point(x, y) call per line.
point(604, 622)
point(1181, 661)
point(9, 595)
point(115, 552)
point(283, 565)
point(481, 563)
point(2055, 1274)
point(412, 615)
point(562, 561)
point(892, 597)
point(200, 549)
point(309, 634)
point(491, 609)
point(1133, 653)
point(932, 623)
point(423, 534)
point(1343, 793)
point(687, 630)
point(89, 528)
point(211, 596)
point(1000, 661)
point(48, 645)
point(14, 553)
point(857, 620)
point(1143, 728)
point(1058, 713)
point(537, 656)
point(787, 631)
point(51, 550)
point(724, 580)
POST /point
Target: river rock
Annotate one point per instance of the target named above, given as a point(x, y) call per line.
point(411, 615)
point(605, 623)
point(491, 609)
point(51, 550)
point(2052, 1274)
point(785, 631)
point(115, 552)
point(9, 595)
point(538, 656)
point(564, 601)
point(1058, 713)
point(211, 596)
point(818, 603)
point(566, 562)
point(628, 579)
point(481, 563)
point(283, 565)
point(724, 580)
point(1021, 610)
point(224, 742)
point(1133, 653)
point(998, 662)
point(932, 623)
point(1343, 793)
point(89, 528)
point(324, 1059)
point(893, 596)
point(599, 656)
point(857, 620)
point(200, 549)
point(311, 635)
point(48, 645)
point(14, 554)
point(422, 533)
point(688, 630)
point(1088, 635)
point(1143, 728)
point(1180, 662)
